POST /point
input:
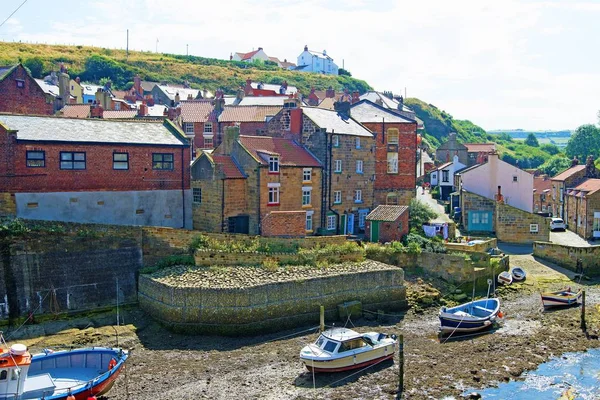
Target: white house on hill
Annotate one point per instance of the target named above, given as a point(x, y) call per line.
point(315, 61)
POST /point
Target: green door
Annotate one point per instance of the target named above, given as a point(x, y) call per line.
point(374, 231)
point(343, 224)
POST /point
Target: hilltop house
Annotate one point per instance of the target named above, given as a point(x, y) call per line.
point(95, 171)
point(315, 61)
point(260, 54)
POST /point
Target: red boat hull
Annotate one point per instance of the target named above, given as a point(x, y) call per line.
point(355, 366)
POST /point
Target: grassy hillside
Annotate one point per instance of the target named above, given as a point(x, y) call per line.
point(94, 63)
point(438, 124)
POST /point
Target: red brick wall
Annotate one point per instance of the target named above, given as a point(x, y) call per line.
point(284, 223)
point(235, 197)
point(30, 99)
point(99, 173)
point(405, 180)
point(390, 231)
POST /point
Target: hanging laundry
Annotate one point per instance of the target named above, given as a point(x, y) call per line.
point(430, 231)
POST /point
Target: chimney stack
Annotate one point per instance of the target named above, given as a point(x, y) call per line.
point(143, 110)
point(248, 87)
point(64, 87)
point(219, 101)
point(330, 92)
point(355, 97)
point(230, 136)
point(499, 197)
point(97, 111)
point(137, 85)
point(177, 98)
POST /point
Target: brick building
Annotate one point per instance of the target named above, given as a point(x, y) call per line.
point(251, 120)
point(542, 196)
point(568, 179)
point(77, 170)
point(198, 119)
point(264, 183)
point(387, 223)
point(395, 152)
point(346, 150)
point(582, 209)
point(21, 94)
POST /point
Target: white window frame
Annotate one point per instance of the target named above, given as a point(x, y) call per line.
point(337, 197)
point(359, 166)
point(309, 221)
point(391, 136)
point(335, 140)
point(208, 127)
point(188, 128)
point(273, 193)
point(358, 196)
point(273, 164)
point(338, 166)
point(307, 175)
point(392, 163)
point(357, 142)
point(331, 222)
point(197, 195)
point(208, 143)
point(306, 196)
point(362, 217)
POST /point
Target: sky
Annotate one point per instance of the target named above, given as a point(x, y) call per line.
point(501, 64)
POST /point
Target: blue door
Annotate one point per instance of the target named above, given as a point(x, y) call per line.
point(350, 224)
point(480, 221)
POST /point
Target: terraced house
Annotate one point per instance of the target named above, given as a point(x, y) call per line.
point(259, 185)
point(346, 149)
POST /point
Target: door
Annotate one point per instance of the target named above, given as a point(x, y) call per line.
point(350, 224)
point(343, 225)
point(374, 231)
point(239, 224)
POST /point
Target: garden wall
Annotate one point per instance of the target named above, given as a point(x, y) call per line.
point(566, 256)
point(269, 307)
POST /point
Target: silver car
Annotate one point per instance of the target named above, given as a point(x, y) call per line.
point(557, 224)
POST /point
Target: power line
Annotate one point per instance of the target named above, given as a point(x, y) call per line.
point(13, 13)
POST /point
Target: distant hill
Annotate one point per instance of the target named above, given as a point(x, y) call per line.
point(94, 63)
point(558, 138)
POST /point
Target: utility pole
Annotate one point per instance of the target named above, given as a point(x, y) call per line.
point(156, 51)
point(127, 51)
point(187, 53)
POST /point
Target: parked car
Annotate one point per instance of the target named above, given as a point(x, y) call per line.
point(557, 223)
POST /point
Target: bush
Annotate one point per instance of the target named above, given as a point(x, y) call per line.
point(169, 261)
point(420, 213)
point(270, 264)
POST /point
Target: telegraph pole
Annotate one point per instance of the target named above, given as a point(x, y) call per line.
point(187, 53)
point(127, 51)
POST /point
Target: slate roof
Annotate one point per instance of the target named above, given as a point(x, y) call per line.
point(386, 213)
point(480, 147)
point(367, 111)
point(568, 173)
point(51, 129)
point(332, 122)
point(120, 114)
point(76, 111)
point(196, 111)
point(48, 88)
point(4, 70)
point(386, 101)
point(540, 185)
point(590, 186)
point(89, 89)
point(269, 86)
point(147, 86)
point(327, 103)
point(319, 54)
point(263, 101)
point(171, 92)
point(248, 113)
point(290, 153)
point(229, 166)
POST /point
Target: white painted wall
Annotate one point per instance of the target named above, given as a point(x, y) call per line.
point(485, 179)
point(161, 207)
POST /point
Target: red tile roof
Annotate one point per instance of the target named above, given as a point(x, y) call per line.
point(589, 185)
point(540, 184)
point(248, 113)
point(478, 147)
point(196, 111)
point(290, 153)
point(387, 213)
point(229, 167)
point(248, 55)
point(122, 114)
point(568, 173)
point(76, 111)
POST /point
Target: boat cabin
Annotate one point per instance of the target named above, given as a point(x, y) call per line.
point(340, 340)
point(14, 366)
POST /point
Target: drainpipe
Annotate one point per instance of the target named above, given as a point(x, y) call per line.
point(222, 205)
point(324, 173)
point(182, 188)
point(330, 150)
point(258, 221)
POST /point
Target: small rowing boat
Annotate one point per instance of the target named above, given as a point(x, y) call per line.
point(469, 317)
point(564, 297)
point(505, 278)
point(518, 274)
point(341, 349)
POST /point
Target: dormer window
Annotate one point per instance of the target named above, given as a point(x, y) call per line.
point(273, 164)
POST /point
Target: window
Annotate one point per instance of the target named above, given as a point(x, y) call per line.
point(273, 194)
point(561, 195)
point(117, 106)
point(485, 218)
point(188, 127)
point(36, 159)
point(362, 217)
point(330, 346)
point(337, 197)
point(392, 136)
point(596, 224)
point(20, 83)
point(445, 175)
point(208, 127)
point(391, 199)
point(392, 163)
point(120, 161)
point(307, 175)
point(3, 375)
point(338, 166)
point(162, 161)
point(273, 164)
point(306, 196)
point(335, 139)
point(359, 166)
point(358, 196)
point(475, 218)
point(309, 221)
point(515, 178)
point(72, 160)
point(331, 222)
point(197, 195)
point(358, 143)
point(208, 143)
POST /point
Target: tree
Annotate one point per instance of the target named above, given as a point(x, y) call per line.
point(343, 71)
point(549, 148)
point(555, 165)
point(35, 66)
point(585, 141)
point(420, 213)
point(532, 140)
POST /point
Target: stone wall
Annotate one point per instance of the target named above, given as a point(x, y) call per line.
point(477, 247)
point(210, 258)
point(472, 201)
point(8, 206)
point(269, 307)
point(513, 225)
point(566, 256)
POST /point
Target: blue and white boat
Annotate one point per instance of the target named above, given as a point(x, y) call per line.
point(470, 317)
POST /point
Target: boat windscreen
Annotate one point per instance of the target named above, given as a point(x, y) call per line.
point(330, 346)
